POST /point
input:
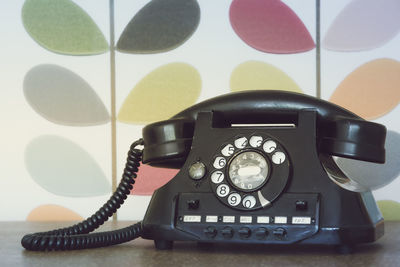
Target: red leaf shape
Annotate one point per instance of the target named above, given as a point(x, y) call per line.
point(150, 178)
point(269, 26)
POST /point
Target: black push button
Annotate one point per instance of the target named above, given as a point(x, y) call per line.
point(301, 205)
point(244, 232)
point(210, 231)
point(261, 233)
point(279, 232)
point(227, 232)
point(193, 204)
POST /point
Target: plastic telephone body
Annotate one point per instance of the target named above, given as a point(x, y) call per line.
point(290, 199)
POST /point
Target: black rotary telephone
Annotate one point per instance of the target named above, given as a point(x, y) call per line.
point(255, 167)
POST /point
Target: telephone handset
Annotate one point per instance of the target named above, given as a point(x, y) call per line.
point(255, 167)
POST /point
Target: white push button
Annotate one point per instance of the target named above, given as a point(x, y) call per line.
point(301, 220)
point(222, 190)
point(228, 219)
point(262, 219)
point(211, 219)
point(192, 218)
point(217, 177)
point(246, 219)
point(280, 219)
point(219, 162)
point(256, 141)
point(269, 146)
point(241, 142)
point(278, 157)
point(249, 202)
point(228, 150)
point(234, 199)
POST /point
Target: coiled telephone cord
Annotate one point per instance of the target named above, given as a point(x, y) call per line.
point(77, 236)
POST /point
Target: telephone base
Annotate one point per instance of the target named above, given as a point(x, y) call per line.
point(246, 182)
point(163, 244)
point(345, 249)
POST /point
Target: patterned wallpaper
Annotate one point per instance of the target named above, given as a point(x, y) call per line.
point(81, 78)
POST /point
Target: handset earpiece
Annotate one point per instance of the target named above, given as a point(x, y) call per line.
point(167, 143)
point(352, 138)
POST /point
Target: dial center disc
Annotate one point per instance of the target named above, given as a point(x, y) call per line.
point(248, 171)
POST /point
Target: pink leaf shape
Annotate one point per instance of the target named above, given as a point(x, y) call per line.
point(150, 178)
point(372, 90)
point(269, 26)
point(363, 25)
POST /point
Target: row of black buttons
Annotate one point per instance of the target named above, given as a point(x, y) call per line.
point(244, 232)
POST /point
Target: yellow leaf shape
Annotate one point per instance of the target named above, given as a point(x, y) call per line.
point(256, 75)
point(390, 210)
point(53, 213)
point(161, 94)
point(372, 90)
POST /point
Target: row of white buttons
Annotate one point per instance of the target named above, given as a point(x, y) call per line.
point(247, 219)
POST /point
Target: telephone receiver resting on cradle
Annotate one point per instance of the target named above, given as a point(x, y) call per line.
point(255, 167)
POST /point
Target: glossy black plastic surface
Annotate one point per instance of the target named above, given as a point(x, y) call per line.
point(191, 210)
point(167, 143)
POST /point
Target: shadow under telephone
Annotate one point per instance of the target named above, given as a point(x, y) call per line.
point(255, 167)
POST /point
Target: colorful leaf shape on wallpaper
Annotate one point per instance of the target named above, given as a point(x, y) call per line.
point(371, 90)
point(63, 27)
point(63, 97)
point(269, 26)
point(53, 213)
point(62, 167)
point(362, 25)
point(161, 94)
point(390, 210)
point(159, 26)
point(254, 75)
point(367, 173)
point(150, 178)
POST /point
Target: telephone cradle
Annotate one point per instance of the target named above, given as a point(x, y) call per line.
point(256, 167)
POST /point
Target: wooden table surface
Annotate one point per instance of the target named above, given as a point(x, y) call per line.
point(384, 252)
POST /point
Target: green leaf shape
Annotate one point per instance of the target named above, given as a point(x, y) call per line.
point(63, 97)
point(160, 26)
point(257, 75)
point(63, 27)
point(62, 167)
point(390, 210)
point(161, 94)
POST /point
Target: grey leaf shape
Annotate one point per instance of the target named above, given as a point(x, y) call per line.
point(159, 26)
point(62, 167)
point(63, 97)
